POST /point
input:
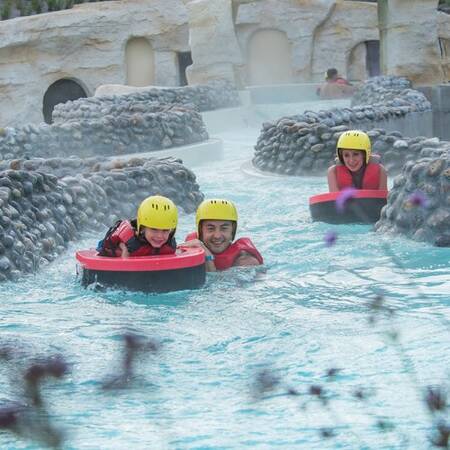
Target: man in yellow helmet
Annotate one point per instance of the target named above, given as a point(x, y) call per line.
point(356, 167)
point(151, 233)
point(216, 221)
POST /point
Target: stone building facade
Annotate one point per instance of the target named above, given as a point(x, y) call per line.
point(49, 58)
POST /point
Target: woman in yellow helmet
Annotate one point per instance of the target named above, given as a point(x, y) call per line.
point(151, 233)
point(216, 221)
point(356, 167)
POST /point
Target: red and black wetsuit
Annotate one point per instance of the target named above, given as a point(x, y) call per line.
point(125, 231)
point(226, 259)
point(370, 178)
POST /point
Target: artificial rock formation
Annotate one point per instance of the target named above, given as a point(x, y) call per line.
point(419, 202)
point(409, 40)
point(86, 44)
point(214, 47)
point(47, 198)
point(306, 144)
point(111, 98)
point(142, 42)
point(121, 129)
point(318, 35)
point(383, 91)
point(146, 120)
point(317, 149)
point(41, 213)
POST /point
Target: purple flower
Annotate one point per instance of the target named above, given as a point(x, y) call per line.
point(344, 196)
point(418, 198)
point(330, 238)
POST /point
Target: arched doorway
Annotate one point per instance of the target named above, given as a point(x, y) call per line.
point(60, 91)
point(269, 58)
point(140, 62)
point(364, 61)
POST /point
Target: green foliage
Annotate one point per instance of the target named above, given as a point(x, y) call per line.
point(21, 7)
point(29, 7)
point(6, 10)
point(444, 2)
point(56, 5)
point(36, 6)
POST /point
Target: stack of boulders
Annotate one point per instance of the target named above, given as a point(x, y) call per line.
point(306, 143)
point(139, 128)
point(62, 167)
point(381, 89)
point(154, 119)
point(419, 202)
point(215, 95)
point(299, 148)
point(41, 213)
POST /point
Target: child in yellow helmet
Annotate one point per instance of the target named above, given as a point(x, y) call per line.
point(151, 233)
point(216, 221)
point(356, 167)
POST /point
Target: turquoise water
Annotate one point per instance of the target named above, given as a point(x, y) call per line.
point(305, 313)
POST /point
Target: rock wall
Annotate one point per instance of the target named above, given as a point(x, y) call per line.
point(121, 129)
point(419, 202)
point(341, 38)
point(214, 47)
point(306, 144)
point(321, 34)
point(86, 44)
point(113, 100)
point(317, 149)
point(409, 40)
point(41, 213)
point(382, 90)
point(147, 120)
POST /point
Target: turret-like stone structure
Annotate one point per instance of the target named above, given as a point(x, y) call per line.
point(409, 41)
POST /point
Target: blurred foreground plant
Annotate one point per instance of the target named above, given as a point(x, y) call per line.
point(28, 415)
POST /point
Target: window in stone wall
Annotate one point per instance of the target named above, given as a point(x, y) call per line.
point(184, 61)
point(373, 58)
point(140, 62)
point(60, 91)
point(269, 58)
point(444, 46)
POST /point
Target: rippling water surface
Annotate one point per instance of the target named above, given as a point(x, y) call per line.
point(305, 313)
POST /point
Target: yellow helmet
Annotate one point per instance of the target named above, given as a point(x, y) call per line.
point(157, 212)
point(354, 140)
point(216, 209)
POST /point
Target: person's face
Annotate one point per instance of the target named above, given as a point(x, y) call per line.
point(156, 238)
point(353, 159)
point(217, 234)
